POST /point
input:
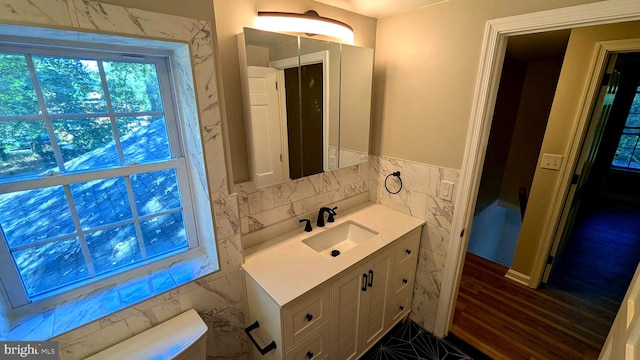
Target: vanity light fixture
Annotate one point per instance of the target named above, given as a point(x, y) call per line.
point(309, 22)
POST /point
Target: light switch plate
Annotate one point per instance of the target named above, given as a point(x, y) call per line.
point(446, 190)
point(551, 161)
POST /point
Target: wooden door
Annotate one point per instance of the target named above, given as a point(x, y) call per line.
point(588, 152)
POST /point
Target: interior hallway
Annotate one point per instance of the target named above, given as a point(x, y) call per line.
point(507, 320)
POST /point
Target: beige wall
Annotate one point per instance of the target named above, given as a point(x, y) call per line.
point(231, 17)
point(564, 111)
point(531, 120)
point(502, 125)
point(425, 73)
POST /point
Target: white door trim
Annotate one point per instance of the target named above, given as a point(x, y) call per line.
point(491, 60)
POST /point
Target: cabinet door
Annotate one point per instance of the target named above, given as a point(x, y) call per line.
point(346, 298)
point(372, 313)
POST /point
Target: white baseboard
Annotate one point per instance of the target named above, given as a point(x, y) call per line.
point(518, 277)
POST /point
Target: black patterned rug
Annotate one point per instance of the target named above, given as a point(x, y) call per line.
point(410, 341)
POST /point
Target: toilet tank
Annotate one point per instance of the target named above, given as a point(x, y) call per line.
point(180, 338)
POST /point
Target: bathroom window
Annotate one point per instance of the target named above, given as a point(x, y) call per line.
point(628, 151)
point(93, 173)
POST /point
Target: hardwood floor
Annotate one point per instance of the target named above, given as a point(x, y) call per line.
point(601, 254)
point(506, 320)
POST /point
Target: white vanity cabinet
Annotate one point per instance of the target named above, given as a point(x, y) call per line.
point(299, 329)
point(304, 304)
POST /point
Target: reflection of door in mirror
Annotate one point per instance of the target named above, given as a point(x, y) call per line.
point(305, 120)
point(265, 115)
point(263, 106)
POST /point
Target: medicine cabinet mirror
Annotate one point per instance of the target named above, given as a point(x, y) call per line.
point(307, 104)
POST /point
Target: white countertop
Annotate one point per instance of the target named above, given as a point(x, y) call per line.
point(287, 268)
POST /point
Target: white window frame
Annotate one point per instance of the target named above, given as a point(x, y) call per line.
point(9, 275)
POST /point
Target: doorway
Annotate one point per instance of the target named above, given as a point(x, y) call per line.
point(305, 119)
point(497, 31)
point(572, 316)
point(527, 85)
point(597, 252)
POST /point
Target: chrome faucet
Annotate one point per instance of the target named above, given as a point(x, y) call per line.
point(330, 211)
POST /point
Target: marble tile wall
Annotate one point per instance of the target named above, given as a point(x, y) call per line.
point(260, 208)
point(217, 299)
point(218, 296)
point(421, 197)
point(350, 157)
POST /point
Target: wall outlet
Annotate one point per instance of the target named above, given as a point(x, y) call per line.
point(446, 190)
point(551, 161)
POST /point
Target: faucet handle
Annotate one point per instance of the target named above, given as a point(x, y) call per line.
point(332, 213)
point(307, 226)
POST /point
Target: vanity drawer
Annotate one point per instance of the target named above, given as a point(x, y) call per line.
point(315, 346)
point(399, 306)
point(305, 314)
point(403, 277)
point(407, 248)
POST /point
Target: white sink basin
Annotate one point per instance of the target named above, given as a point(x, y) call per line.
point(340, 238)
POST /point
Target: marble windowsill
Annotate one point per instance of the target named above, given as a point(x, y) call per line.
point(99, 303)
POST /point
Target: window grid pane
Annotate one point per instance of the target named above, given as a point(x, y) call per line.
point(86, 144)
point(144, 139)
point(113, 248)
point(101, 202)
point(51, 266)
point(17, 95)
point(21, 228)
point(70, 85)
point(171, 227)
point(86, 134)
point(24, 149)
point(133, 87)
